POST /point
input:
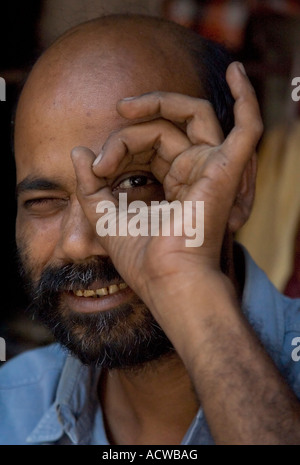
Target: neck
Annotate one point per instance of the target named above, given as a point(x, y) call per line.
point(153, 405)
point(156, 403)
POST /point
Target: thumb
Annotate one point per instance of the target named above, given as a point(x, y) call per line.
point(96, 199)
point(87, 182)
point(91, 189)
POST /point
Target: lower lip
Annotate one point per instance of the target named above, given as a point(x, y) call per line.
point(97, 304)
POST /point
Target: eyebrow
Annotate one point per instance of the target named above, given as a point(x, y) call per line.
point(37, 184)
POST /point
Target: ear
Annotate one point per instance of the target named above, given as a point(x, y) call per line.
point(242, 206)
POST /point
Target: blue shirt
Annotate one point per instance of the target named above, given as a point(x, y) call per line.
point(49, 397)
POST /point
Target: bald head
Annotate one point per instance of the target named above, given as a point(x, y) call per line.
point(88, 70)
point(120, 56)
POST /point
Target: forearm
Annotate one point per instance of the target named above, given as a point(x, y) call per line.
point(244, 397)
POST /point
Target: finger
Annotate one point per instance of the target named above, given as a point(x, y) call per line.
point(201, 121)
point(95, 197)
point(159, 141)
point(241, 142)
point(90, 188)
point(87, 182)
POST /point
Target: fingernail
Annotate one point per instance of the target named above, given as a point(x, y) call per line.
point(98, 159)
point(242, 69)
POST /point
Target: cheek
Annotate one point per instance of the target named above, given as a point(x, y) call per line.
point(36, 241)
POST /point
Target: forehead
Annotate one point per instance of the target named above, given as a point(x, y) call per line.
point(70, 97)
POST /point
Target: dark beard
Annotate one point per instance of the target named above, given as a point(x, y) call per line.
point(125, 337)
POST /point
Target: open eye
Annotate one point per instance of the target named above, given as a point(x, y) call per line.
point(137, 180)
point(138, 186)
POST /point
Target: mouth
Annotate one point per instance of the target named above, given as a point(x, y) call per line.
point(97, 299)
point(100, 292)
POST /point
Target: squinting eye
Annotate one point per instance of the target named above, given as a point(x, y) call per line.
point(135, 181)
point(42, 201)
point(45, 204)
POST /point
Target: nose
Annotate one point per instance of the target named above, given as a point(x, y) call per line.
point(78, 238)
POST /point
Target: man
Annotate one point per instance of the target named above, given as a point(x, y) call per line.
point(162, 351)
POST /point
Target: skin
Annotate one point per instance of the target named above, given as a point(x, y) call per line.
point(81, 80)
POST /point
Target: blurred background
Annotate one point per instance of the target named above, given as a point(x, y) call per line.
point(264, 35)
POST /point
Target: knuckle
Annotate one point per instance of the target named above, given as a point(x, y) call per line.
point(154, 93)
point(203, 110)
point(158, 94)
point(207, 105)
point(258, 127)
point(114, 134)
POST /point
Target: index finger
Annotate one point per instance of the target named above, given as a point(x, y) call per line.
point(198, 114)
point(241, 142)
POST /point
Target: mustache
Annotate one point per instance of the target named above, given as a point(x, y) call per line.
point(71, 276)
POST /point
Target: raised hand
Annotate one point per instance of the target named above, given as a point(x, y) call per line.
point(180, 141)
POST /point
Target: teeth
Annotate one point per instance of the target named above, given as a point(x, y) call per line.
point(88, 293)
point(113, 288)
point(100, 292)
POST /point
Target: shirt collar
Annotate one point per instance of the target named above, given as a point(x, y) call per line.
point(74, 408)
point(76, 402)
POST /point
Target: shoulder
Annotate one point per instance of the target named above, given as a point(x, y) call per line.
point(28, 385)
point(32, 366)
point(291, 344)
point(275, 319)
point(272, 313)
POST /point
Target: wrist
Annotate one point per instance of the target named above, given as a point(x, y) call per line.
point(190, 305)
